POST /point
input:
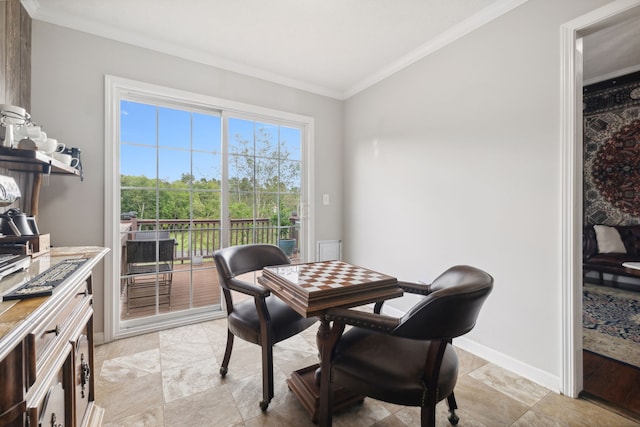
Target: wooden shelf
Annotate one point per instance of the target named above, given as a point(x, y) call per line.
point(35, 245)
point(33, 161)
point(38, 163)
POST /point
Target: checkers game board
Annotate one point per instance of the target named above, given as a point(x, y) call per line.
point(320, 285)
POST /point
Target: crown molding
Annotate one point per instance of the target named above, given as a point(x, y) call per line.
point(38, 10)
point(40, 13)
point(454, 33)
point(31, 6)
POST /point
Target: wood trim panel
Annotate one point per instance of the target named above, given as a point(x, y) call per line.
point(15, 54)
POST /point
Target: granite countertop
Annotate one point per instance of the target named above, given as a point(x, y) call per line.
point(15, 312)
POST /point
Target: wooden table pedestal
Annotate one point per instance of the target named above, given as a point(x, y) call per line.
point(304, 385)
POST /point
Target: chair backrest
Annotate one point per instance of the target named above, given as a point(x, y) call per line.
point(150, 234)
point(142, 251)
point(452, 307)
point(236, 260)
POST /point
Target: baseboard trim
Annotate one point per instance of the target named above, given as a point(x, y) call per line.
point(537, 375)
point(98, 338)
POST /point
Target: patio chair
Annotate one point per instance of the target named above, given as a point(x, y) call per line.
point(410, 360)
point(265, 319)
point(150, 234)
point(146, 265)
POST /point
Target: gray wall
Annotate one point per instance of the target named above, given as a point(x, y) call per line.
point(68, 100)
point(456, 160)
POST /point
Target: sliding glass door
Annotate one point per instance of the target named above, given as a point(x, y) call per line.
point(189, 175)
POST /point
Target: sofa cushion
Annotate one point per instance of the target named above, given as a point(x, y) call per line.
point(611, 260)
point(609, 240)
point(630, 235)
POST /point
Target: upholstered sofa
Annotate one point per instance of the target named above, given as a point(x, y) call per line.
point(606, 248)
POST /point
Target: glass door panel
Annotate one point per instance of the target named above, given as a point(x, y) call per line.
point(264, 184)
point(170, 197)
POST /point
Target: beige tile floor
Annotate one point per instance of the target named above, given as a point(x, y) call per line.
point(171, 378)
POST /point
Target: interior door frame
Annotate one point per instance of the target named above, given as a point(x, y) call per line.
point(572, 170)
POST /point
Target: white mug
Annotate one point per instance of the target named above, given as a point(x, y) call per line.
point(42, 137)
point(30, 132)
point(66, 159)
point(60, 147)
point(47, 146)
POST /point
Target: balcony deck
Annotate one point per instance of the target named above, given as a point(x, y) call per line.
point(206, 291)
point(202, 236)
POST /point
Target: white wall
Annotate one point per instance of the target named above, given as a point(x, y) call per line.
point(68, 69)
point(456, 160)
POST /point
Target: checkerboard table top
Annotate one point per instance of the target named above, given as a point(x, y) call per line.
point(318, 285)
point(326, 275)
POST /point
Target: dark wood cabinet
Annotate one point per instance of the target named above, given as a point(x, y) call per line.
point(46, 348)
point(12, 372)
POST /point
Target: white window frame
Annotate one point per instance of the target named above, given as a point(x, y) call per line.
point(117, 88)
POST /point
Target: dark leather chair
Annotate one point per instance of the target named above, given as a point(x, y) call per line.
point(264, 320)
point(410, 360)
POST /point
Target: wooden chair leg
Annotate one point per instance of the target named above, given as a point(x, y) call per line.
point(428, 416)
point(227, 354)
point(267, 376)
point(451, 402)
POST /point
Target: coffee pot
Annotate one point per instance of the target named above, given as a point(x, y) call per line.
point(15, 223)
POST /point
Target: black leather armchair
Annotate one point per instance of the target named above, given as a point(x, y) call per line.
point(410, 360)
point(264, 320)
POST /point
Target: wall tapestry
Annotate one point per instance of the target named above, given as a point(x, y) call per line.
point(611, 112)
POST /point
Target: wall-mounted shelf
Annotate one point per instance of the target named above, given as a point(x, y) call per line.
point(33, 161)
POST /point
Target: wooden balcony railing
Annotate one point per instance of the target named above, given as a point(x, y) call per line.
point(202, 237)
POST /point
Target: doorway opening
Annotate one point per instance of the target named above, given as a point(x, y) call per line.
point(572, 143)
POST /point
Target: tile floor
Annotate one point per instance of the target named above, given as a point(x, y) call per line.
point(171, 378)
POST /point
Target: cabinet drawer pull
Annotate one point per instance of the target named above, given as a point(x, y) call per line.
point(83, 293)
point(85, 374)
point(56, 330)
point(53, 421)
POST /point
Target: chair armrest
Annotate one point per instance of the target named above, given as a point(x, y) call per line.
point(410, 287)
point(363, 319)
point(415, 287)
point(248, 288)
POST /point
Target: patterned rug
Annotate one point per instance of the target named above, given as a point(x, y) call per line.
point(611, 323)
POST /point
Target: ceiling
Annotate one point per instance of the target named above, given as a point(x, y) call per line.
point(612, 48)
point(330, 47)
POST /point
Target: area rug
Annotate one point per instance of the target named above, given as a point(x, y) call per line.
point(611, 323)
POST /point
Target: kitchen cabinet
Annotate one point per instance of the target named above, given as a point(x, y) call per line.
point(46, 348)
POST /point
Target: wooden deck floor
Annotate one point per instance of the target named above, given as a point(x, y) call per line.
point(206, 291)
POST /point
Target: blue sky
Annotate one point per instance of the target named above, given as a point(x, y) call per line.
point(146, 130)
